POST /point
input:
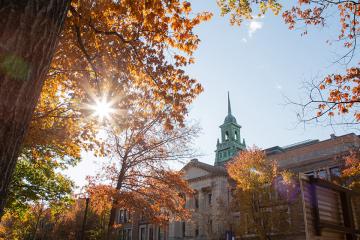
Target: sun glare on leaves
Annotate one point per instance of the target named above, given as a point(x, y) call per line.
point(102, 109)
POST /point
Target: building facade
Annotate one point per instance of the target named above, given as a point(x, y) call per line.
point(212, 215)
point(135, 226)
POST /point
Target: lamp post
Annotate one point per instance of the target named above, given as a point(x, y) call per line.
point(87, 200)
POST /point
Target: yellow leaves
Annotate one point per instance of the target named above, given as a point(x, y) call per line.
point(254, 173)
point(287, 176)
point(240, 10)
point(250, 169)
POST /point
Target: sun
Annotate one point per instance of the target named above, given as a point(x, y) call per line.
point(102, 109)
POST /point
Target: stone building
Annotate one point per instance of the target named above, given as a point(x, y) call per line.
point(212, 217)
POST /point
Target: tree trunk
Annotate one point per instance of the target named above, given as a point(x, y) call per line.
point(29, 32)
point(110, 233)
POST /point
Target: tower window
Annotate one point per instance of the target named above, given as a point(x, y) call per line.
point(226, 135)
point(236, 135)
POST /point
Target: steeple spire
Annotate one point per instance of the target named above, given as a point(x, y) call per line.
point(229, 118)
point(230, 142)
point(229, 105)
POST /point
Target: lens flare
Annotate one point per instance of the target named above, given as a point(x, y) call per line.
point(102, 109)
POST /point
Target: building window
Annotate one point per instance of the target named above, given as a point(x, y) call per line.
point(322, 174)
point(226, 136)
point(120, 216)
point(236, 135)
point(151, 234)
point(196, 231)
point(125, 234)
point(335, 173)
point(160, 234)
point(128, 234)
point(209, 199)
point(125, 216)
point(121, 236)
point(196, 201)
point(310, 174)
point(142, 233)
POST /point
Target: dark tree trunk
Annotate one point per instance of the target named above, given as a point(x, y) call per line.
point(29, 32)
point(111, 222)
point(110, 233)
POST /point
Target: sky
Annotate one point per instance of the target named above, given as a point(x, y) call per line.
point(260, 63)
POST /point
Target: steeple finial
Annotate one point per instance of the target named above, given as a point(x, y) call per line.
point(229, 105)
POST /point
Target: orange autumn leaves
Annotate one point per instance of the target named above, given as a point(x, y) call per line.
point(130, 51)
point(133, 52)
point(340, 91)
point(252, 170)
point(344, 93)
point(158, 198)
point(352, 169)
point(137, 176)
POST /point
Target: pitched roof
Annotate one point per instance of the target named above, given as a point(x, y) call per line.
point(214, 170)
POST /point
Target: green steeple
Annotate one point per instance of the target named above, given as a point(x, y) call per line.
point(230, 138)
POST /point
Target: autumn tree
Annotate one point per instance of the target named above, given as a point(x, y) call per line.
point(261, 194)
point(25, 57)
point(139, 176)
point(351, 170)
point(92, 47)
point(56, 136)
point(68, 224)
point(336, 97)
point(62, 222)
point(22, 226)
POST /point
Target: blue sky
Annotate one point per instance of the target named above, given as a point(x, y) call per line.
point(259, 63)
